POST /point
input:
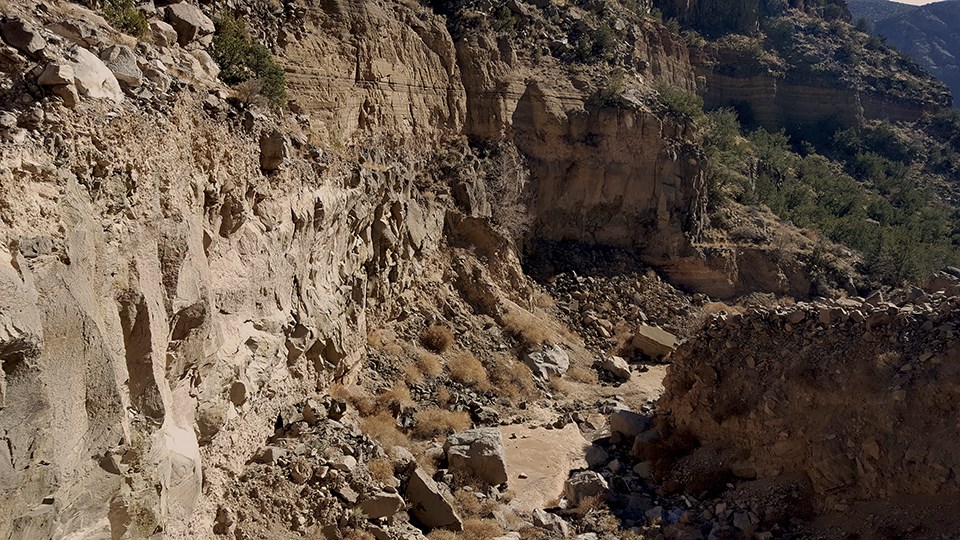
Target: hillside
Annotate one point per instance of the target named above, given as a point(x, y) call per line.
point(874, 11)
point(930, 34)
point(472, 270)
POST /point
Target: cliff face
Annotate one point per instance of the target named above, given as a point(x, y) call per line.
point(804, 73)
point(856, 398)
point(717, 17)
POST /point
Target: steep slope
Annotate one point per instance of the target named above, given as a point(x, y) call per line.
point(874, 11)
point(930, 35)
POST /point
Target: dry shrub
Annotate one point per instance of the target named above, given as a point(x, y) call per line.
point(543, 300)
point(471, 506)
point(412, 374)
point(466, 369)
point(444, 397)
point(442, 534)
point(560, 386)
point(396, 398)
point(480, 529)
point(437, 338)
point(430, 364)
point(434, 422)
point(358, 534)
point(383, 427)
point(356, 396)
point(511, 378)
point(527, 329)
point(381, 470)
point(582, 375)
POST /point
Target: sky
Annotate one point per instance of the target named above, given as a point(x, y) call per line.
point(915, 2)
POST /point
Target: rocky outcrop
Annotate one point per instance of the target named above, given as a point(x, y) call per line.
point(859, 396)
point(360, 67)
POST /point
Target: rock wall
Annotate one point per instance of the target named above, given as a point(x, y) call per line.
point(360, 66)
point(858, 395)
point(618, 176)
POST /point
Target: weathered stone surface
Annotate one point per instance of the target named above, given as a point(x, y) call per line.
point(552, 361)
point(163, 33)
point(381, 504)
point(274, 150)
point(654, 342)
point(551, 522)
point(22, 36)
point(479, 453)
point(584, 485)
point(91, 76)
point(545, 457)
point(429, 505)
point(122, 62)
point(617, 367)
point(191, 25)
point(628, 424)
point(56, 74)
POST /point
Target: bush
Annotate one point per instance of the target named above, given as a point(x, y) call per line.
point(437, 338)
point(242, 60)
point(611, 93)
point(435, 421)
point(679, 102)
point(466, 369)
point(122, 15)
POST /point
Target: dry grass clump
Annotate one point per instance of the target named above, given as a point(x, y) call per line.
point(473, 529)
point(444, 397)
point(363, 402)
point(383, 427)
point(430, 364)
point(582, 375)
point(511, 378)
point(560, 386)
point(381, 470)
point(437, 338)
point(358, 534)
point(471, 506)
point(433, 422)
point(395, 399)
point(412, 374)
point(466, 369)
point(527, 329)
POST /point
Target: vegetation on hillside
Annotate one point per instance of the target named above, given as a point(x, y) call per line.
point(243, 61)
point(124, 16)
point(869, 196)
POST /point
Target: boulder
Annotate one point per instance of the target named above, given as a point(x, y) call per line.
point(584, 485)
point(479, 453)
point(428, 505)
point(274, 150)
point(56, 75)
point(596, 456)
point(191, 25)
point(381, 505)
point(654, 342)
point(122, 62)
point(23, 36)
point(551, 522)
point(628, 424)
point(617, 367)
point(91, 76)
point(551, 361)
point(163, 34)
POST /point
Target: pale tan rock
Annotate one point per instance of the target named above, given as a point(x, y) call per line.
point(653, 341)
point(429, 505)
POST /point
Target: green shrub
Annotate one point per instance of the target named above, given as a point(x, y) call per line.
point(611, 92)
point(122, 15)
point(241, 60)
point(595, 45)
point(679, 102)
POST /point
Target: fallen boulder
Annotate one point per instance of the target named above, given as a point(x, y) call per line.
point(617, 367)
point(381, 504)
point(191, 24)
point(654, 342)
point(428, 505)
point(551, 361)
point(479, 453)
point(584, 485)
